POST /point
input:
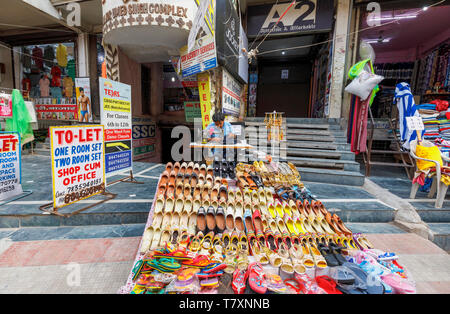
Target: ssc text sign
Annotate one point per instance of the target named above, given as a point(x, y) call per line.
point(78, 161)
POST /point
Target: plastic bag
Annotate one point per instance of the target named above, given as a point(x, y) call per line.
point(364, 84)
point(21, 119)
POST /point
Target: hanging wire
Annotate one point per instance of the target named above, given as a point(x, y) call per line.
point(257, 35)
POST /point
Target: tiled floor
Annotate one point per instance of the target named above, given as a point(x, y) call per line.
point(103, 265)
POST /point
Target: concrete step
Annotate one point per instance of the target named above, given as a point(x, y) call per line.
point(346, 165)
point(441, 232)
point(331, 121)
point(316, 145)
point(433, 215)
point(291, 125)
point(331, 176)
point(319, 153)
point(71, 232)
point(316, 138)
point(291, 131)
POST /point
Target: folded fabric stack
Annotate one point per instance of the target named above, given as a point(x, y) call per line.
point(437, 126)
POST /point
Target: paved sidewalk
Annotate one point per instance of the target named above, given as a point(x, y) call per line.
point(103, 265)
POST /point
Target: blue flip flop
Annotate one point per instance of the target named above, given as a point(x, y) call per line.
point(368, 286)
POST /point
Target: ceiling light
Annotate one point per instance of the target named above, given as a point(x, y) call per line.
point(377, 41)
point(425, 8)
point(173, 79)
point(283, 52)
point(398, 17)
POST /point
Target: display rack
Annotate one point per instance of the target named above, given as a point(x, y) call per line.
point(405, 159)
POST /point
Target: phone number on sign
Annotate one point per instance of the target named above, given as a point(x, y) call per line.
point(75, 196)
point(78, 187)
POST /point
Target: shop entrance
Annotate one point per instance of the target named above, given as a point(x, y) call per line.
point(284, 86)
point(290, 79)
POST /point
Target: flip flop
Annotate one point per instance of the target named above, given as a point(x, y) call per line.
point(199, 261)
point(214, 267)
point(373, 288)
point(203, 275)
point(179, 254)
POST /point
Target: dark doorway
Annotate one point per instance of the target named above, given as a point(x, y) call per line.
point(284, 87)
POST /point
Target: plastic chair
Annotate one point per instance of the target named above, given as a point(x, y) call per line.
point(437, 185)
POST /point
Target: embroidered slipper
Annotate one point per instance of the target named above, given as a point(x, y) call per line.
point(239, 281)
point(256, 278)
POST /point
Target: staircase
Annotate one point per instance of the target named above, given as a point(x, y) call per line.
point(318, 147)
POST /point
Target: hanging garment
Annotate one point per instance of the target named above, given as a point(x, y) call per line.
point(61, 55)
point(44, 86)
point(38, 56)
point(56, 76)
point(21, 119)
point(71, 69)
point(359, 131)
point(56, 92)
point(49, 55)
point(406, 108)
point(68, 86)
point(26, 58)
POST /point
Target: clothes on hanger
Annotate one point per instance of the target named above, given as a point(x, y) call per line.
point(71, 69)
point(44, 86)
point(38, 56)
point(26, 58)
point(49, 55)
point(68, 86)
point(56, 76)
point(61, 55)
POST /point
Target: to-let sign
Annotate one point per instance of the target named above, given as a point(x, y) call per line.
point(10, 165)
point(78, 161)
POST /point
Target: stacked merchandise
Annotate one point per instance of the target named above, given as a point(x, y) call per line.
point(261, 233)
point(434, 68)
point(396, 71)
point(437, 124)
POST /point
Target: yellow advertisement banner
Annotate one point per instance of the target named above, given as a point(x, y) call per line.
point(205, 98)
point(116, 105)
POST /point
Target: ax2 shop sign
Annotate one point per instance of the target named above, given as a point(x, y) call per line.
point(77, 163)
point(303, 16)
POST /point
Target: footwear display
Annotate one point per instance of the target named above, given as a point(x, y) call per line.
point(246, 220)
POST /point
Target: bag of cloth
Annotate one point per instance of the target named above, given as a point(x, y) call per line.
point(364, 84)
point(428, 151)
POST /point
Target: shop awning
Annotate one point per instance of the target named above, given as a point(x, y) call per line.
point(30, 21)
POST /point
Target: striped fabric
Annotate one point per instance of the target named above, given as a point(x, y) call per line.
point(406, 108)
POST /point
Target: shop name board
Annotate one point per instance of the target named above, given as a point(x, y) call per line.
point(146, 8)
point(231, 94)
point(303, 16)
point(144, 139)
